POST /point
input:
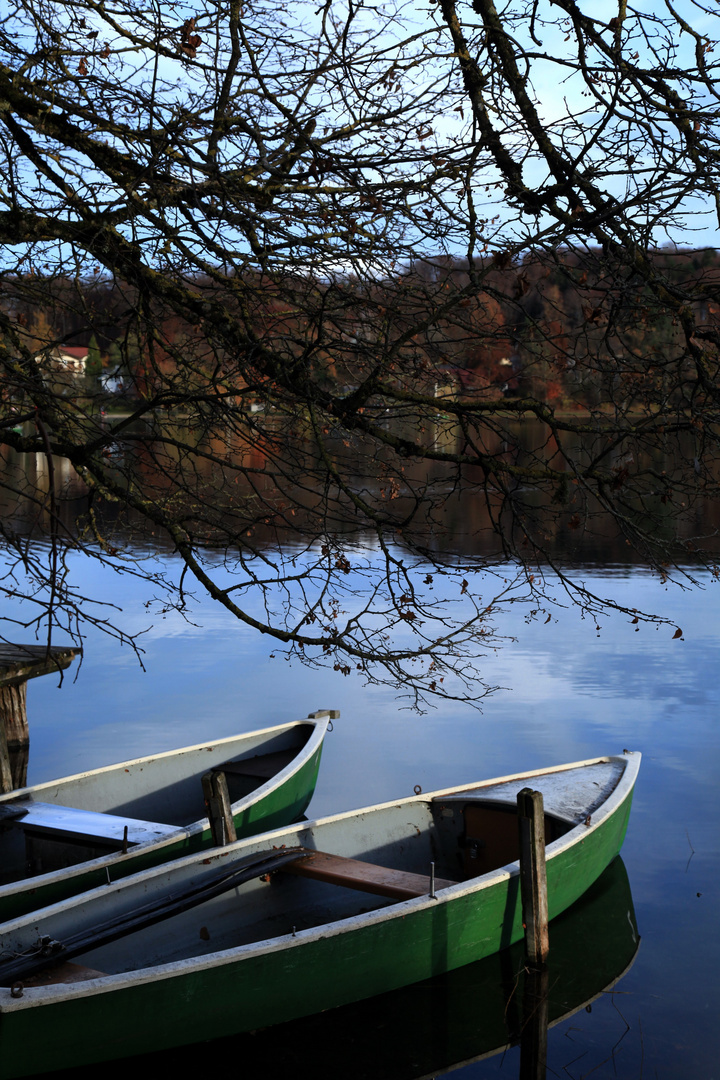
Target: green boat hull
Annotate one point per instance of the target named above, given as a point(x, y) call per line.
point(428, 1028)
point(272, 807)
point(294, 975)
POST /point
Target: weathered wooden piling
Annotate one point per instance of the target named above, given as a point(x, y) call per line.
point(18, 663)
point(6, 779)
point(219, 808)
point(533, 878)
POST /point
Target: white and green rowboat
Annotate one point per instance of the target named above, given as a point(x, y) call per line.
point(67, 836)
point(298, 920)
point(444, 1023)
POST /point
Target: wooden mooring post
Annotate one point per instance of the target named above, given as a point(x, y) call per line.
point(533, 877)
point(18, 663)
point(219, 808)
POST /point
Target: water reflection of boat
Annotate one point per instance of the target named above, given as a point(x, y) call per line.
point(65, 836)
point(304, 940)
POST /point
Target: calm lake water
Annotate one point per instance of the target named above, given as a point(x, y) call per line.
point(571, 694)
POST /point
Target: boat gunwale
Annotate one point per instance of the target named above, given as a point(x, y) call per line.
point(21, 793)
point(400, 909)
point(181, 832)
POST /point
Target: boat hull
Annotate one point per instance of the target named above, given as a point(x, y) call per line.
point(442, 1023)
point(275, 803)
point(296, 974)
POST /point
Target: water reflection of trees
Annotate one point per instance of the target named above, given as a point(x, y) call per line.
point(275, 506)
point(340, 318)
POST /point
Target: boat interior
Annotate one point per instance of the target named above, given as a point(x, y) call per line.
point(61, 825)
point(346, 866)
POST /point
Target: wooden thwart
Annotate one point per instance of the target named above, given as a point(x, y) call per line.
point(363, 876)
point(90, 826)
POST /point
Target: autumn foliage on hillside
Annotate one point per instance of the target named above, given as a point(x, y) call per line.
point(552, 328)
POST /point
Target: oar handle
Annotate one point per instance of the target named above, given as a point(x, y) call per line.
point(49, 952)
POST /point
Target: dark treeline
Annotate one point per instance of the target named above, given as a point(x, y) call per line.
point(552, 326)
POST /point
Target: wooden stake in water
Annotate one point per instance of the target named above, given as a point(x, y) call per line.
point(6, 779)
point(533, 879)
point(18, 663)
point(219, 808)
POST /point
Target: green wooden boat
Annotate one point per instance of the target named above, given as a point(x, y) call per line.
point(441, 1024)
point(66, 836)
point(296, 921)
point(473, 1013)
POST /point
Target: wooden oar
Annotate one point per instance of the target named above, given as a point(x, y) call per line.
point(49, 952)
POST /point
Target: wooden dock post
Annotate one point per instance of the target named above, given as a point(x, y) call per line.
point(219, 808)
point(6, 778)
point(18, 663)
point(533, 878)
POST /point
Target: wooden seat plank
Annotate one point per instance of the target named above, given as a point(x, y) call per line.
point(51, 819)
point(363, 876)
